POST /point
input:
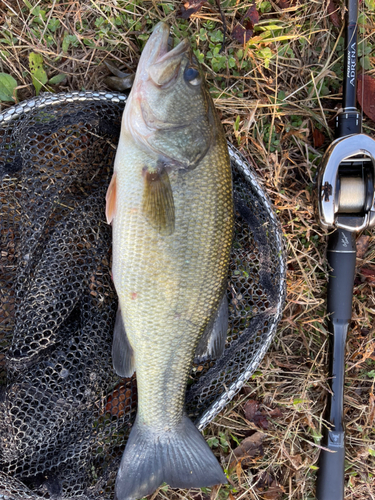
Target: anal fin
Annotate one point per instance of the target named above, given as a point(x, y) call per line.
point(122, 352)
point(157, 200)
point(211, 344)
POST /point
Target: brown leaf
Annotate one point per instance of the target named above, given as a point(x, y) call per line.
point(190, 7)
point(369, 273)
point(362, 245)
point(371, 406)
point(246, 390)
point(273, 493)
point(249, 448)
point(333, 14)
point(276, 413)
point(285, 4)
point(240, 34)
point(259, 418)
point(366, 99)
point(253, 414)
point(251, 18)
point(318, 138)
point(250, 409)
point(243, 31)
point(239, 469)
point(261, 421)
point(118, 401)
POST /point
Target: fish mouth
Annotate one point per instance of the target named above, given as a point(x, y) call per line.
point(157, 49)
point(158, 68)
point(160, 65)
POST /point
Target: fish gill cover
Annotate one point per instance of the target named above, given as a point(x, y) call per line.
point(64, 414)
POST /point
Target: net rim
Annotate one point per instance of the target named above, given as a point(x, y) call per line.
point(47, 99)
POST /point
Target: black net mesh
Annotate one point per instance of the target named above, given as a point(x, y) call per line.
point(64, 414)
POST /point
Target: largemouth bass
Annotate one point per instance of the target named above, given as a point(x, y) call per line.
point(170, 204)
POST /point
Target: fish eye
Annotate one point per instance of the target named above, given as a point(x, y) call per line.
point(192, 75)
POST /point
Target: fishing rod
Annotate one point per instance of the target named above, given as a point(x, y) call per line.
point(346, 205)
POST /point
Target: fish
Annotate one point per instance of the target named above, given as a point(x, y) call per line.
point(170, 204)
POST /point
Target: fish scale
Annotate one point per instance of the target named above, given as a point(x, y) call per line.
point(182, 276)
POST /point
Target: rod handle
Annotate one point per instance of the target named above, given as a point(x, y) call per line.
point(330, 482)
point(341, 255)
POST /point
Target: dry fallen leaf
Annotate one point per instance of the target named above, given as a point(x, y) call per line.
point(252, 413)
point(246, 390)
point(249, 448)
point(318, 138)
point(273, 493)
point(371, 406)
point(190, 7)
point(333, 14)
point(276, 413)
point(285, 4)
point(368, 273)
point(366, 99)
point(259, 418)
point(250, 408)
point(362, 245)
point(118, 401)
point(239, 469)
point(243, 31)
point(261, 421)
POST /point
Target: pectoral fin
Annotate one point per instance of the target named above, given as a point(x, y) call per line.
point(157, 201)
point(110, 210)
point(122, 352)
point(211, 344)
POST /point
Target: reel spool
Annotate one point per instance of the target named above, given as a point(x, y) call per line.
point(346, 197)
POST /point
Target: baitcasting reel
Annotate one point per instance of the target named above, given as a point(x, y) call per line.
point(346, 196)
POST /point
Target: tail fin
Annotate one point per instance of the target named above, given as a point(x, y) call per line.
point(180, 457)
